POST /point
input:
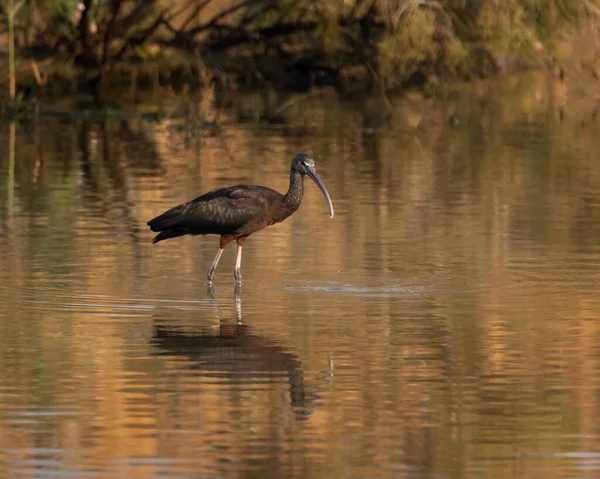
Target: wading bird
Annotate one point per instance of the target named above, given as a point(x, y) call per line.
point(235, 212)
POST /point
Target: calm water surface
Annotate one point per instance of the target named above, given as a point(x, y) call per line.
point(446, 323)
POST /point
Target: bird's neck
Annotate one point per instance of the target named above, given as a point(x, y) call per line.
point(293, 197)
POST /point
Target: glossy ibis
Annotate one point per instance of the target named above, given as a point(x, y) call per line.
point(235, 212)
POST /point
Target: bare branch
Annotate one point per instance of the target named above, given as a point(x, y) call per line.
point(212, 22)
point(84, 27)
point(176, 13)
point(115, 7)
point(132, 42)
point(194, 13)
point(139, 13)
point(243, 36)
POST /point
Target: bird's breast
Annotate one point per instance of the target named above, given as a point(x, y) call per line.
point(283, 213)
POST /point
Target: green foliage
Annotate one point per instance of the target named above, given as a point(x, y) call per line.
point(412, 42)
point(405, 36)
point(506, 26)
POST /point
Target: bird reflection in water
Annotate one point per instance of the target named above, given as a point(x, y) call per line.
point(237, 356)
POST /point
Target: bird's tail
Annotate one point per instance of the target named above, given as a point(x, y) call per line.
point(168, 225)
point(163, 235)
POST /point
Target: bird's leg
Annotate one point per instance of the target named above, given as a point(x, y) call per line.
point(238, 302)
point(211, 272)
point(237, 273)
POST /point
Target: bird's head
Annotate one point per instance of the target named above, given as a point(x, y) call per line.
point(302, 163)
point(305, 165)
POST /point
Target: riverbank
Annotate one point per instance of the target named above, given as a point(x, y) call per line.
point(352, 47)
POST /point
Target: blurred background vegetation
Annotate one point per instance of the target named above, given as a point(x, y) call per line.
point(295, 44)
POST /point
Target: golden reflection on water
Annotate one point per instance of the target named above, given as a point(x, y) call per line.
point(444, 323)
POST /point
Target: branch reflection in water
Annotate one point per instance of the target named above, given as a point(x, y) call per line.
point(235, 356)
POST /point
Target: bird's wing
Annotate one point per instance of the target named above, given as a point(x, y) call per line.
point(219, 211)
point(225, 209)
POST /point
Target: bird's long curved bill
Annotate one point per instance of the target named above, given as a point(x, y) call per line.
point(313, 175)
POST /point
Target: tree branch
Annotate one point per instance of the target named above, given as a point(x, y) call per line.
point(84, 27)
point(211, 23)
point(115, 7)
point(243, 36)
point(194, 13)
point(134, 41)
point(240, 35)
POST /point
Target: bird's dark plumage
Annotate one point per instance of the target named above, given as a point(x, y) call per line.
point(232, 211)
point(235, 212)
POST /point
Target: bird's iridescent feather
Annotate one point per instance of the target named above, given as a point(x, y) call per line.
point(220, 211)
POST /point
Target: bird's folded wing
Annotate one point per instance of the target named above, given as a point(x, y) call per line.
point(232, 210)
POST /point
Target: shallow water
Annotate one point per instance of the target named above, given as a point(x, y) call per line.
point(445, 323)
